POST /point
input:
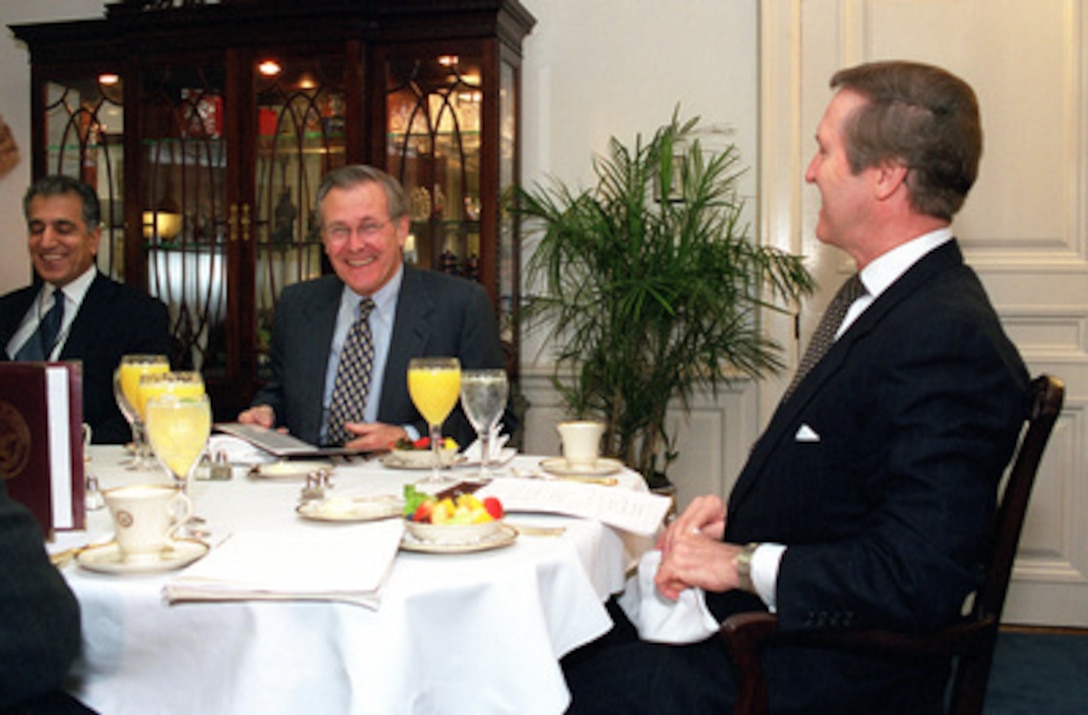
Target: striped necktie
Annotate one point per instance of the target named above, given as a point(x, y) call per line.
point(352, 376)
point(40, 344)
point(824, 337)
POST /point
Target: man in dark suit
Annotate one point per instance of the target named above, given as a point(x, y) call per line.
point(364, 221)
point(102, 320)
point(867, 500)
point(39, 619)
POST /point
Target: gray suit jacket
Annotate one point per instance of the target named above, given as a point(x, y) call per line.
point(437, 314)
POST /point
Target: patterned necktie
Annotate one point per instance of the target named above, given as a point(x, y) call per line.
point(40, 344)
point(352, 376)
point(824, 336)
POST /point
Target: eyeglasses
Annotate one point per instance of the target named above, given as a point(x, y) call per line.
point(368, 229)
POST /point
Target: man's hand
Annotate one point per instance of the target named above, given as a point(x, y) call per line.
point(705, 514)
point(373, 436)
point(699, 561)
point(692, 553)
point(262, 415)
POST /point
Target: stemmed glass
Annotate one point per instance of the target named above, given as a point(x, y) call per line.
point(178, 428)
point(126, 384)
point(180, 383)
point(483, 397)
point(434, 384)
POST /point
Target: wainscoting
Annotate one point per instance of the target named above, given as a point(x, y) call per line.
point(713, 440)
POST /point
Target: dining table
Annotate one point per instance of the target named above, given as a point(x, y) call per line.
point(474, 631)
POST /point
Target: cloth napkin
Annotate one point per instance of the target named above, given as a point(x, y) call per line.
point(499, 454)
point(348, 564)
point(685, 620)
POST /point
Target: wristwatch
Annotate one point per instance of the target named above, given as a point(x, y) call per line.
point(743, 563)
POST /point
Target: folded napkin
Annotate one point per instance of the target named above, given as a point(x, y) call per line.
point(345, 564)
point(685, 620)
point(499, 455)
point(237, 450)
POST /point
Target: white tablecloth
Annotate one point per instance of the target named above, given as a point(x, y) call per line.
point(479, 633)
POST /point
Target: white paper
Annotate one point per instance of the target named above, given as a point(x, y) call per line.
point(636, 512)
point(348, 563)
point(60, 446)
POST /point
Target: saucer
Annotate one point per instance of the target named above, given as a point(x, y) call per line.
point(603, 467)
point(289, 469)
point(107, 558)
point(420, 459)
point(504, 536)
point(358, 508)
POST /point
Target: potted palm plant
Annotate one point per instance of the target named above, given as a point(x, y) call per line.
point(649, 287)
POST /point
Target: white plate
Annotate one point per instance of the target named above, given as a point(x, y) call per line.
point(603, 467)
point(107, 558)
point(289, 469)
point(419, 459)
point(504, 536)
point(357, 508)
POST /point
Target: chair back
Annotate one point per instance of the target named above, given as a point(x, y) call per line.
point(971, 640)
point(972, 671)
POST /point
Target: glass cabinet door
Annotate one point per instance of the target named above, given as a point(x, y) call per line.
point(433, 148)
point(183, 205)
point(83, 121)
point(300, 136)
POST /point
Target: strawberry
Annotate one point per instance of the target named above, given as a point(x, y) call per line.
point(423, 512)
point(493, 507)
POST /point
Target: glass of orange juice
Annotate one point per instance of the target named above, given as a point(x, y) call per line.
point(434, 384)
point(178, 427)
point(126, 383)
point(179, 383)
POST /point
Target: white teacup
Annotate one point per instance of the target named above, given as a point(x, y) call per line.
point(145, 517)
point(581, 442)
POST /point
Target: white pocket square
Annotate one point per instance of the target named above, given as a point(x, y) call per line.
point(806, 434)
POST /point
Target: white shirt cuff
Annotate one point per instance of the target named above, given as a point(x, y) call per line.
point(764, 573)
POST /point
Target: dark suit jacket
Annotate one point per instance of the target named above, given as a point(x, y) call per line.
point(39, 616)
point(917, 408)
point(114, 320)
point(436, 314)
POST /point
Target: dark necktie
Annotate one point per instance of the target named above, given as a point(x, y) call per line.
point(824, 336)
point(40, 344)
point(352, 376)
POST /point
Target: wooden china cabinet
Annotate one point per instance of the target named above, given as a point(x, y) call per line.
point(206, 128)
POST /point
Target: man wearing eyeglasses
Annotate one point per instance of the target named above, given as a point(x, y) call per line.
point(408, 313)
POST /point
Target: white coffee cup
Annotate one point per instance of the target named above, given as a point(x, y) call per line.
point(145, 517)
point(581, 442)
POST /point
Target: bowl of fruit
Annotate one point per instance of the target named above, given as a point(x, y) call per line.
point(455, 519)
point(417, 454)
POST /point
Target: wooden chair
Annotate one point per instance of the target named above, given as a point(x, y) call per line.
point(969, 641)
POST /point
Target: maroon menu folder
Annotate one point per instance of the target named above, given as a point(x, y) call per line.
point(41, 440)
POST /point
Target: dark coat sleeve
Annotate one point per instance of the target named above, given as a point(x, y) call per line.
point(39, 616)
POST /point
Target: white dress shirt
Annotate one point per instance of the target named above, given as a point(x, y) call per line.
point(72, 294)
point(381, 331)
